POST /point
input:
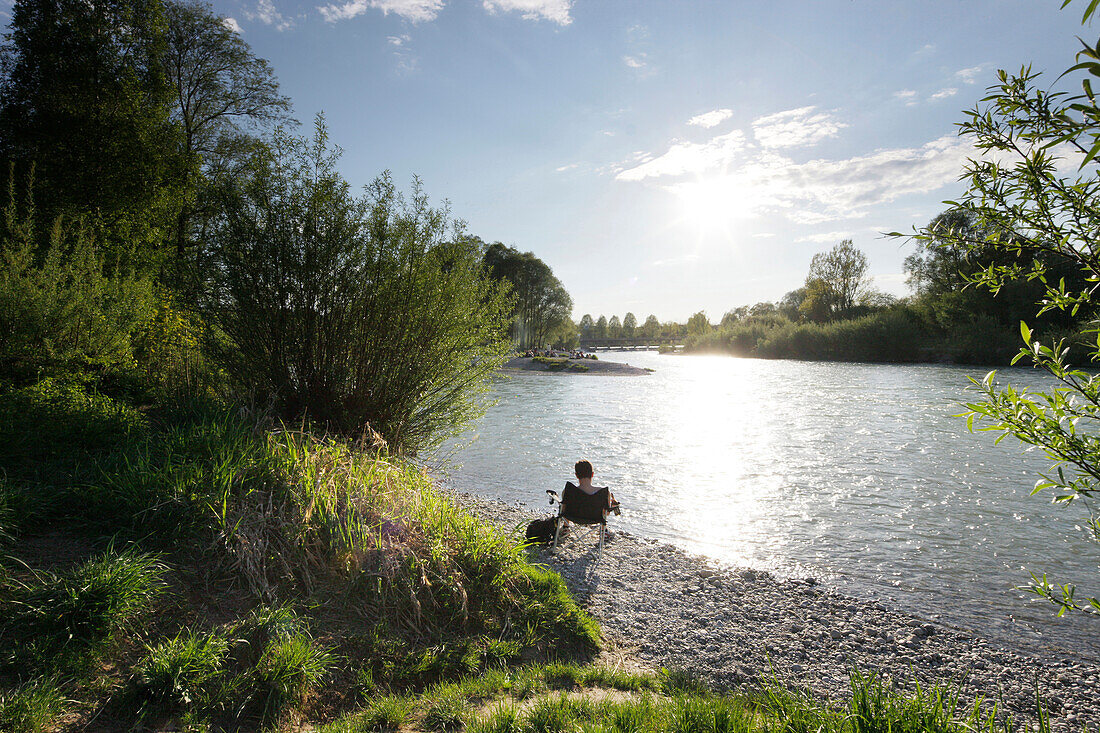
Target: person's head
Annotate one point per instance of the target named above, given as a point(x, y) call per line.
point(583, 469)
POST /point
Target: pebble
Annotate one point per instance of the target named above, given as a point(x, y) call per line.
point(736, 628)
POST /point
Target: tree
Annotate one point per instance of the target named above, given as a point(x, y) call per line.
point(698, 323)
point(587, 325)
point(355, 311)
point(614, 328)
point(85, 100)
point(221, 92)
point(601, 327)
point(790, 304)
point(651, 328)
point(630, 322)
point(1035, 216)
point(837, 280)
point(542, 305)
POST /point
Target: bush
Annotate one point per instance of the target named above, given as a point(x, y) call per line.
point(61, 306)
point(353, 311)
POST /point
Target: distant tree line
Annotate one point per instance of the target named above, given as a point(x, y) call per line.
point(837, 314)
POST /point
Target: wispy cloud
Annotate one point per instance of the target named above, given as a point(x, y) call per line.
point(268, 14)
point(795, 128)
point(556, 11)
point(567, 167)
point(684, 157)
point(926, 50)
point(944, 94)
point(712, 118)
point(760, 178)
point(233, 25)
point(415, 11)
point(908, 96)
point(405, 60)
point(635, 62)
point(971, 75)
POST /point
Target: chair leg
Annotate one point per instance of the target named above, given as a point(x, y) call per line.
point(557, 533)
point(602, 529)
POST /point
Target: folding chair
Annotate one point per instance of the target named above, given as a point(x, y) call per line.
point(584, 509)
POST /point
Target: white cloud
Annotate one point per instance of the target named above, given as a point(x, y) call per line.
point(268, 14)
point(233, 25)
point(712, 118)
point(568, 167)
point(944, 93)
point(685, 157)
point(552, 10)
point(825, 237)
point(926, 50)
point(398, 41)
point(971, 75)
point(906, 95)
point(761, 179)
point(416, 11)
point(635, 62)
point(795, 128)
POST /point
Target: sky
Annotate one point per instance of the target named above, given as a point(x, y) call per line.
point(662, 157)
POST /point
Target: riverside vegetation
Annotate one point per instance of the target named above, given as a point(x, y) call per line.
point(217, 364)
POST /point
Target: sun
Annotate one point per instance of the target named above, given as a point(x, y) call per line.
point(712, 206)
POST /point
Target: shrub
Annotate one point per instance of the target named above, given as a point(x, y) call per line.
point(61, 305)
point(353, 311)
point(447, 709)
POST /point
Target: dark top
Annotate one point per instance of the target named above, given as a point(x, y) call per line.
point(584, 508)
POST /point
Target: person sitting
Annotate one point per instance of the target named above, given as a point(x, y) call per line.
point(584, 472)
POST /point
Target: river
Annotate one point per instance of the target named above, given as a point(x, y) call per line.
point(858, 475)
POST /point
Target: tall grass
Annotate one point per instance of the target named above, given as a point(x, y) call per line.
point(62, 622)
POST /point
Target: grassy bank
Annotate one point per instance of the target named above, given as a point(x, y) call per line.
point(213, 567)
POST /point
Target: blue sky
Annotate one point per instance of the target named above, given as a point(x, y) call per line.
point(662, 157)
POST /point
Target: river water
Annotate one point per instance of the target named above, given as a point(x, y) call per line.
point(858, 475)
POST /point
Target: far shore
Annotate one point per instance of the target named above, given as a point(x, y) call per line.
point(565, 365)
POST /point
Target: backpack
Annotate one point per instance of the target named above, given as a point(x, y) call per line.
point(541, 531)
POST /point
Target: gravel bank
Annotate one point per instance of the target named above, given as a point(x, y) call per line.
point(734, 627)
point(574, 366)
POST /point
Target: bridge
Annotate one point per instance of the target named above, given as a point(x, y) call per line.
point(627, 344)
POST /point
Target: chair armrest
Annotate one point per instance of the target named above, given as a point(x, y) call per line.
point(553, 496)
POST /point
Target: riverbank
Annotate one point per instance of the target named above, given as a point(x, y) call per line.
point(667, 608)
point(563, 365)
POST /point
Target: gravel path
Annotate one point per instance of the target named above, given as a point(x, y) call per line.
point(736, 627)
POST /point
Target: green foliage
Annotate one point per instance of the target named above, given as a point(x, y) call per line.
point(288, 668)
point(63, 622)
point(181, 672)
point(86, 103)
point(353, 311)
point(892, 335)
point(30, 707)
point(542, 310)
point(447, 708)
point(60, 307)
point(837, 281)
